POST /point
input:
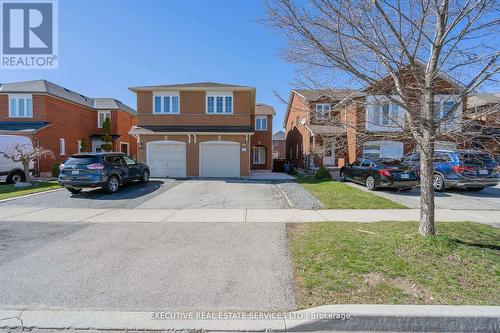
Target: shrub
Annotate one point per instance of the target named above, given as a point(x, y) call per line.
point(322, 173)
point(55, 170)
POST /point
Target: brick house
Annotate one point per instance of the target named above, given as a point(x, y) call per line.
point(484, 122)
point(359, 123)
point(314, 128)
point(279, 145)
point(59, 119)
point(202, 130)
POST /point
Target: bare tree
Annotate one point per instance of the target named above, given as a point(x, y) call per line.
point(400, 51)
point(26, 154)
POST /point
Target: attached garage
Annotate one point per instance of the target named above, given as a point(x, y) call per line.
point(166, 159)
point(219, 159)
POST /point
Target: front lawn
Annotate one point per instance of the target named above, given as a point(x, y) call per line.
point(9, 191)
point(337, 195)
point(389, 263)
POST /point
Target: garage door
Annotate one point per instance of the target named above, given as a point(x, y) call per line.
point(219, 159)
point(166, 159)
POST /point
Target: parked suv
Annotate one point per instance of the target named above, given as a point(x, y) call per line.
point(105, 170)
point(469, 169)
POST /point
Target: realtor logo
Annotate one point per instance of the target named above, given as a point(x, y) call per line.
point(29, 34)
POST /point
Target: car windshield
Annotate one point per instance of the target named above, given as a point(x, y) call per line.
point(475, 158)
point(81, 160)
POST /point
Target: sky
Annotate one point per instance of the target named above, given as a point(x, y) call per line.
point(106, 46)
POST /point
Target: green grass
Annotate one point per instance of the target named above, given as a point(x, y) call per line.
point(9, 191)
point(337, 195)
point(389, 263)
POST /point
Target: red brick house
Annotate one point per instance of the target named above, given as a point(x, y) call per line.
point(358, 124)
point(279, 145)
point(58, 119)
point(202, 129)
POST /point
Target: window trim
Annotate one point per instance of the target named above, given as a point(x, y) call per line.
point(78, 146)
point(224, 96)
point(256, 152)
point(62, 147)
point(323, 116)
point(261, 128)
point(18, 97)
point(99, 125)
point(128, 147)
point(162, 96)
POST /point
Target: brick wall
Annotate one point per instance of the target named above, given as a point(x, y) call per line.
point(263, 139)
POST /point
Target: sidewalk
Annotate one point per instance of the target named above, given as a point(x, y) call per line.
point(351, 317)
point(38, 214)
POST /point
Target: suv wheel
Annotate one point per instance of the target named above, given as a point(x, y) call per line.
point(145, 176)
point(370, 183)
point(16, 177)
point(112, 184)
point(438, 183)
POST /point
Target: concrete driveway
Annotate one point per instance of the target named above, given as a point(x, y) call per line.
point(487, 199)
point(167, 193)
point(144, 267)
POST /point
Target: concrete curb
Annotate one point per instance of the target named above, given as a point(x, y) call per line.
point(380, 318)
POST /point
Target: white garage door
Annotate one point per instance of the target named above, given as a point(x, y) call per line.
point(166, 159)
point(219, 159)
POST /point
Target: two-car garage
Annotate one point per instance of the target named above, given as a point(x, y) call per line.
point(215, 159)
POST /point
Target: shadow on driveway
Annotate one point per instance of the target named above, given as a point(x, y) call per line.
point(130, 190)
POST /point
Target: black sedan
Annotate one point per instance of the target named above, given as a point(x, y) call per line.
point(106, 170)
point(385, 173)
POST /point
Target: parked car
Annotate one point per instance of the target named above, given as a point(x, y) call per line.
point(468, 169)
point(13, 172)
point(387, 173)
point(105, 170)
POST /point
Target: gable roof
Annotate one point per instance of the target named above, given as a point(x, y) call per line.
point(264, 109)
point(50, 88)
point(190, 86)
point(279, 136)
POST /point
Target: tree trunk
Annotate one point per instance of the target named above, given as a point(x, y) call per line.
point(426, 194)
point(26, 166)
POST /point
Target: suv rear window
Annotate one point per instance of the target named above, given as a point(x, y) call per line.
point(81, 160)
point(475, 158)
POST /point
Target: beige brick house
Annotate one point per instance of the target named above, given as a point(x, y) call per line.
point(201, 130)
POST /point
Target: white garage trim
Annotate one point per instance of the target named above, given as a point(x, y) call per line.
point(229, 164)
point(179, 169)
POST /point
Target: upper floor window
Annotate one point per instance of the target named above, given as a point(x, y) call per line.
point(166, 103)
point(20, 106)
point(442, 108)
point(323, 111)
point(101, 118)
point(385, 114)
point(261, 123)
point(219, 103)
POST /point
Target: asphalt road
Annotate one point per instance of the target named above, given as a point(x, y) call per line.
point(142, 266)
point(487, 199)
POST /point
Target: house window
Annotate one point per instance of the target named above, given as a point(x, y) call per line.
point(219, 104)
point(20, 106)
point(62, 147)
point(323, 111)
point(259, 155)
point(102, 115)
point(442, 108)
point(382, 149)
point(385, 114)
point(261, 123)
point(166, 103)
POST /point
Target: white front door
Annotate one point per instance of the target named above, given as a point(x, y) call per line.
point(329, 157)
point(220, 159)
point(166, 159)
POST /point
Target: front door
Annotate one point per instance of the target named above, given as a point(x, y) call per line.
point(329, 157)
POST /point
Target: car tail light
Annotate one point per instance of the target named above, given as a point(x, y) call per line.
point(95, 166)
point(61, 166)
point(461, 169)
point(385, 172)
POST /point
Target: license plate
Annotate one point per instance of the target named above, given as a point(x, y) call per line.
point(405, 176)
point(483, 172)
point(75, 172)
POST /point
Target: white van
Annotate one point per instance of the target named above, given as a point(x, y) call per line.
point(12, 172)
